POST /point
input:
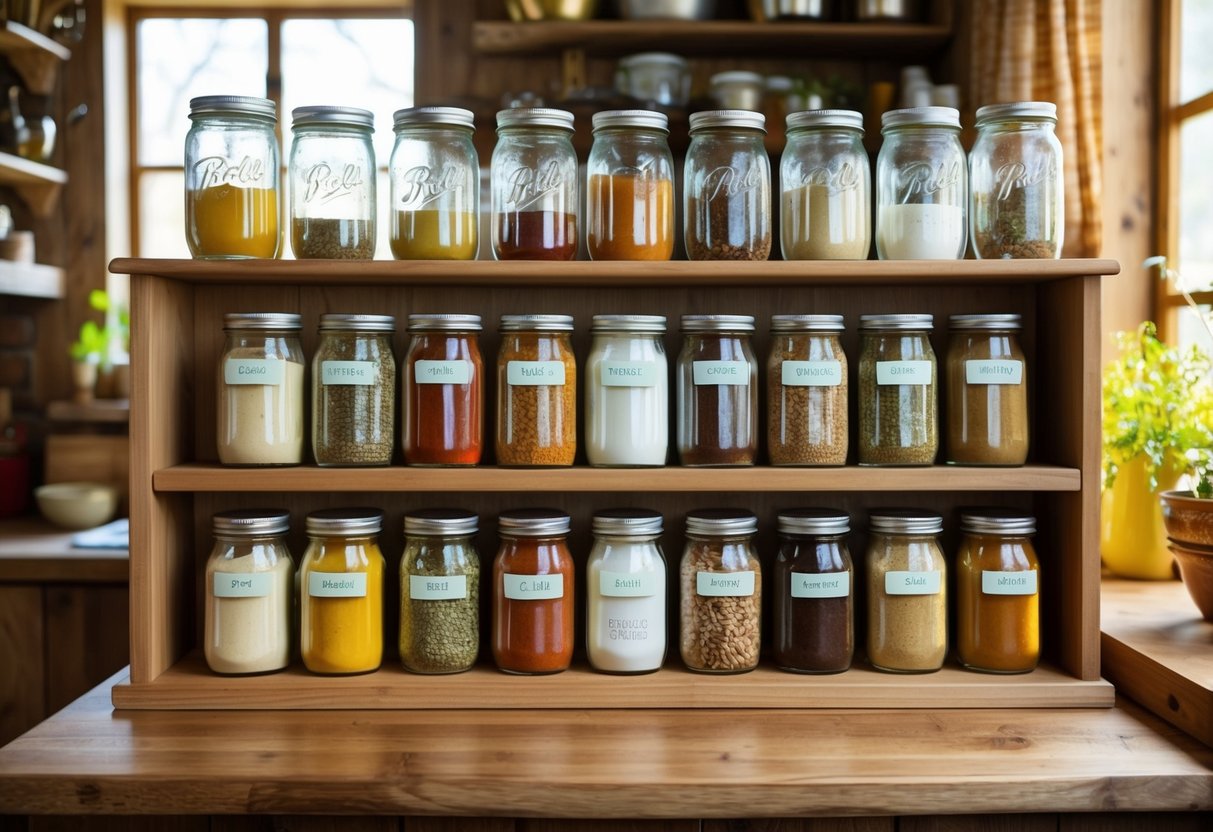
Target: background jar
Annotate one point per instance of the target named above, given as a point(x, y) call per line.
point(987, 391)
point(921, 186)
point(260, 390)
point(443, 398)
point(907, 591)
point(826, 179)
point(630, 184)
point(727, 187)
point(435, 185)
point(250, 582)
point(717, 391)
point(721, 591)
point(536, 391)
point(533, 181)
point(627, 397)
point(898, 391)
point(737, 90)
point(1017, 183)
point(655, 79)
point(231, 178)
point(439, 592)
point(807, 391)
point(998, 592)
point(354, 391)
point(814, 592)
point(626, 593)
point(332, 174)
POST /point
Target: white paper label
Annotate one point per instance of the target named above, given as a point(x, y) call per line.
point(253, 371)
point(903, 372)
point(912, 583)
point(438, 587)
point(533, 587)
point(535, 373)
point(721, 372)
point(442, 372)
point(348, 372)
point(811, 373)
point(627, 584)
point(1008, 583)
point(628, 373)
point(830, 585)
point(993, 371)
point(241, 585)
point(724, 583)
point(336, 584)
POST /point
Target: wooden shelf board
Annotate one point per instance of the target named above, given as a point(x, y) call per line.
point(584, 479)
point(98, 411)
point(31, 549)
point(188, 685)
point(31, 280)
point(15, 170)
point(35, 56)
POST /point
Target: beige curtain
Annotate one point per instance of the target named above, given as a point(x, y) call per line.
point(1049, 50)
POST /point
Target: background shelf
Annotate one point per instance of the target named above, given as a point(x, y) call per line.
point(31, 280)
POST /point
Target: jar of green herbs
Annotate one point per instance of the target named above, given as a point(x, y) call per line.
point(439, 592)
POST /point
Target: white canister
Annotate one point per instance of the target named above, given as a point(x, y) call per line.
point(627, 392)
point(625, 593)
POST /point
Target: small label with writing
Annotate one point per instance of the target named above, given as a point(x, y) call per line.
point(442, 372)
point(253, 371)
point(993, 371)
point(348, 372)
point(438, 587)
point(812, 373)
point(1008, 583)
point(721, 372)
point(830, 585)
point(241, 585)
point(903, 372)
point(912, 583)
point(629, 373)
point(336, 584)
point(533, 587)
point(724, 583)
point(627, 584)
point(534, 373)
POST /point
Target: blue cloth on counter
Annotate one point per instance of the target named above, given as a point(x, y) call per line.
point(115, 535)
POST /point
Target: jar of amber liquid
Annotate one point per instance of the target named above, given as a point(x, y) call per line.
point(998, 592)
point(631, 187)
point(533, 181)
point(987, 391)
point(536, 392)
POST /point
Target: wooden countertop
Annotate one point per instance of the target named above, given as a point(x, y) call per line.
point(611, 763)
point(33, 550)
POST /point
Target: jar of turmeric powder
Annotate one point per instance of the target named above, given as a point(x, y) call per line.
point(341, 592)
point(630, 173)
point(536, 392)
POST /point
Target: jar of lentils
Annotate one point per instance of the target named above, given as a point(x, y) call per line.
point(533, 181)
point(332, 172)
point(898, 391)
point(807, 391)
point(727, 187)
point(354, 391)
point(717, 391)
point(721, 592)
point(536, 391)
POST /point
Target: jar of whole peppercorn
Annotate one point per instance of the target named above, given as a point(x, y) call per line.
point(898, 391)
point(354, 391)
point(717, 391)
point(536, 391)
point(814, 592)
point(807, 391)
point(443, 401)
point(727, 187)
point(533, 180)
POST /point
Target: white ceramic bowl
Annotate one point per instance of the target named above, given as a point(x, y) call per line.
point(77, 505)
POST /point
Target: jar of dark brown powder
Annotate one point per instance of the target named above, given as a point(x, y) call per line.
point(814, 596)
point(717, 391)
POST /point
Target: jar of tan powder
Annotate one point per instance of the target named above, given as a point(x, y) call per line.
point(260, 390)
point(987, 391)
point(907, 591)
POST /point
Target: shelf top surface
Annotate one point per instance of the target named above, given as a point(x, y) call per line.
point(17, 37)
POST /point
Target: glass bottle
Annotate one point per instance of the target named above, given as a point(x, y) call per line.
point(630, 179)
point(907, 591)
point(250, 582)
point(727, 187)
point(332, 174)
point(814, 592)
point(987, 391)
point(1017, 183)
point(807, 391)
point(435, 175)
point(231, 178)
point(721, 592)
point(717, 391)
point(439, 592)
point(826, 180)
point(898, 395)
point(921, 186)
point(627, 392)
point(536, 391)
point(533, 181)
point(443, 399)
point(354, 391)
point(625, 593)
point(259, 419)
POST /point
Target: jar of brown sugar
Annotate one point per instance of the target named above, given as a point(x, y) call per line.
point(717, 391)
point(536, 391)
point(907, 591)
point(727, 187)
point(814, 595)
point(987, 391)
point(807, 391)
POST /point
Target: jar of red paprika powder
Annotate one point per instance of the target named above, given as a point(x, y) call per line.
point(443, 393)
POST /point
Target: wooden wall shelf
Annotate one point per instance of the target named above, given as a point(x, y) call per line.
point(37, 185)
point(35, 56)
point(31, 280)
point(96, 412)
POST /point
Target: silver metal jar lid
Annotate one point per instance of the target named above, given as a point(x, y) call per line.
point(346, 522)
point(427, 322)
point(536, 323)
point(284, 321)
point(1001, 322)
point(807, 323)
point(721, 522)
point(627, 522)
point(628, 323)
point(996, 521)
point(437, 116)
point(328, 115)
point(441, 522)
point(334, 321)
point(254, 522)
point(533, 522)
point(710, 119)
point(1045, 110)
point(816, 521)
point(535, 117)
point(717, 323)
point(879, 323)
point(905, 521)
point(236, 105)
point(641, 58)
point(921, 117)
point(640, 119)
point(849, 119)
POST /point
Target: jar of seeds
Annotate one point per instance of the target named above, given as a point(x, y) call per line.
point(354, 391)
point(907, 591)
point(259, 403)
point(807, 391)
point(987, 391)
point(536, 391)
point(332, 174)
point(727, 187)
point(721, 592)
point(898, 395)
point(439, 592)
point(717, 391)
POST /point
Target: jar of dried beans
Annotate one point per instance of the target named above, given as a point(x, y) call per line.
point(534, 186)
point(727, 187)
point(907, 591)
point(630, 173)
point(814, 592)
point(987, 391)
point(627, 392)
point(332, 172)
point(536, 391)
point(717, 391)
point(443, 401)
point(721, 592)
point(354, 391)
point(259, 403)
point(898, 391)
point(807, 391)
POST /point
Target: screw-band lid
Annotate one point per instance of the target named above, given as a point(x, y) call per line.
point(627, 522)
point(284, 321)
point(345, 522)
point(721, 522)
point(533, 522)
point(905, 521)
point(255, 522)
point(441, 522)
point(335, 321)
point(814, 521)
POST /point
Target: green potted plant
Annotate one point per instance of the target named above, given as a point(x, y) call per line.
point(90, 350)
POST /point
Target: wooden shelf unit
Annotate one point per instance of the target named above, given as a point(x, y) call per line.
point(37, 184)
point(177, 309)
point(35, 56)
point(31, 280)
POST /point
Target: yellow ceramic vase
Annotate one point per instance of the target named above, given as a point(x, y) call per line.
point(1132, 540)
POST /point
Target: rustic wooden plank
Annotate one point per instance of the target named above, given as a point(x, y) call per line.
point(545, 825)
point(1132, 822)
point(22, 660)
point(803, 825)
point(87, 639)
point(160, 823)
point(458, 825)
point(34, 550)
point(979, 823)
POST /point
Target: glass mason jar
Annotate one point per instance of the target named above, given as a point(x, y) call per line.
point(1017, 184)
point(721, 592)
point(341, 592)
point(727, 187)
point(814, 592)
point(354, 391)
point(259, 419)
point(250, 592)
point(533, 592)
point(332, 173)
point(627, 396)
point(807, 391)
point(907, 591)
point(898, 391)
point(717, 391)
point(533, 181)
point(443, 400)
point(536, 392)
point(921, 186)
point(630, 179)
point(625, 593)
point(987, 391)
point(231, 178)
point(439, 592)
point(826, 180)
point(998, 592)
point(737, 90)
point(435, 175)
